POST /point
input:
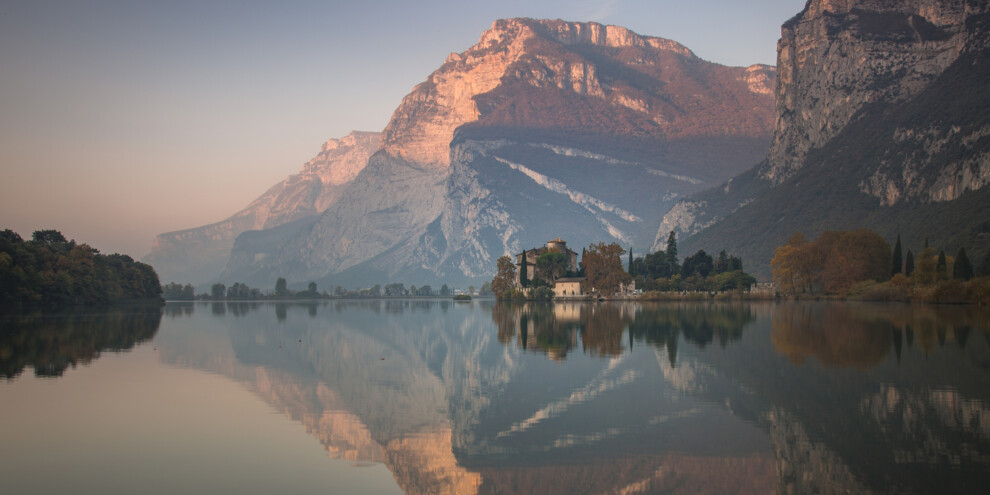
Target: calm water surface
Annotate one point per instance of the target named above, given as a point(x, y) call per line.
point(437, 397)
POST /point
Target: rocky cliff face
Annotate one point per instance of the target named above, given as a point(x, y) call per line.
point(875, 119)
point(508, 142)
point(838, 56)
point(198, 255)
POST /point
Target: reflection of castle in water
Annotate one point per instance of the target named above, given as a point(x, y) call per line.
point(556, 329)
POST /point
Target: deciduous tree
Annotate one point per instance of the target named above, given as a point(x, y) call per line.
point(602, 264)
point(505, 277)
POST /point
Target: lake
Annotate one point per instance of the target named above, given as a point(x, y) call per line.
point(428, 396)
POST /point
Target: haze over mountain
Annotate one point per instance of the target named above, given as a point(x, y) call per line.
point(198, 255)
point(510, 143)
point(881, 122)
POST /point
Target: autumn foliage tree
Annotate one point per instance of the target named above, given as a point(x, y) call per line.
point(832, 263)
point(505, 277)
point(602, 264)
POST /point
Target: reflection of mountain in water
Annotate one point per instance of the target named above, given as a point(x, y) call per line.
point(51, 343)
point(661, 398)
point(892, 399)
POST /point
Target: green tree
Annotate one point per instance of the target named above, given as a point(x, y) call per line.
point(895, 259)
point(551, 265)
point(281, 288)
point(909, 263)
point(630, 270)
point(722, 263)
point(672, 253)
point(941, 267)
point(962, 269)
point(925, 271)
point(445, 291)
point(312, 287)
point(523, 272)
point(986, 265)
point(218, 291)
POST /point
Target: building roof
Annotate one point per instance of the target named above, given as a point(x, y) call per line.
point(570, 279)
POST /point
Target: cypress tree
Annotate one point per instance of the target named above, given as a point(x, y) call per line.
point(986, 265)
point(909, 263)
point(672, 253)
point(630, 270)
point(523, 269)
point(961, 268)
point(941, 268)
point(896, 258)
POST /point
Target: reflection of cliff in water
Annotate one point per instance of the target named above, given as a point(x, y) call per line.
point(52, 343)
point(870, 399)
point(682, 398)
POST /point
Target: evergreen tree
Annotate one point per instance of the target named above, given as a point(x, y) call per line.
point(941, 268)
point(722, 264)
point(962, 269)
point(909, 263)
point(523, 272)
point(986, 265)
point(672, 252)
point(896, 258)
point(630, 270)
point(281, 288)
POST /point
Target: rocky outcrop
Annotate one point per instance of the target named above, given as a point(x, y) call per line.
point(836, 57)
point(199, 255)
point(525, 123)
point(877, 123)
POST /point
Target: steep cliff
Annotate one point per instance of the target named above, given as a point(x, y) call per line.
point(198, 255)
point(542, 129)
point(881, 123)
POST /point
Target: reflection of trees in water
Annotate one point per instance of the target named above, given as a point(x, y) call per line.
point(555, 328)
point(701, 324)
point(50, 344)
point(863, 335)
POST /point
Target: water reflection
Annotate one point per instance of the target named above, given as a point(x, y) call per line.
point(50, 344)
point(555, 329)
point(617, 398)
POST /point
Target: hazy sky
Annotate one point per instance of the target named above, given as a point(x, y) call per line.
point(120, 120)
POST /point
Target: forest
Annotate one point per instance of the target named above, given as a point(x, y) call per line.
point(53, 271)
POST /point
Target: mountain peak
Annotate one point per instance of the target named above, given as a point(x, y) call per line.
point(559, 60)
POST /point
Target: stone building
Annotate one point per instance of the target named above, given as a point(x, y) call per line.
point(531, 255)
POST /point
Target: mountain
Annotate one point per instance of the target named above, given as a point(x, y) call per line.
point(198, 255)
point(542, 129)
point(880, 122)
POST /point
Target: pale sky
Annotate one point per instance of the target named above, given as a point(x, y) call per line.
point(120, 120)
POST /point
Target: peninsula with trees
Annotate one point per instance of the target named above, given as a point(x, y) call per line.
point(51, 270)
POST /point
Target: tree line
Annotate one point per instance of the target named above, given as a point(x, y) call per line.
point(861, 263)
point(602, 268)
point(239, 291)
point(52, 270)
point(660, 271)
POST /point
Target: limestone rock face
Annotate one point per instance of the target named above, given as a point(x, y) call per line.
point(837, 57)
point(198, 255)
point(879, 115)
point(542, 129)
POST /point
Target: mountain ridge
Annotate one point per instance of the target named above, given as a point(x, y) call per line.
point(497, 119)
